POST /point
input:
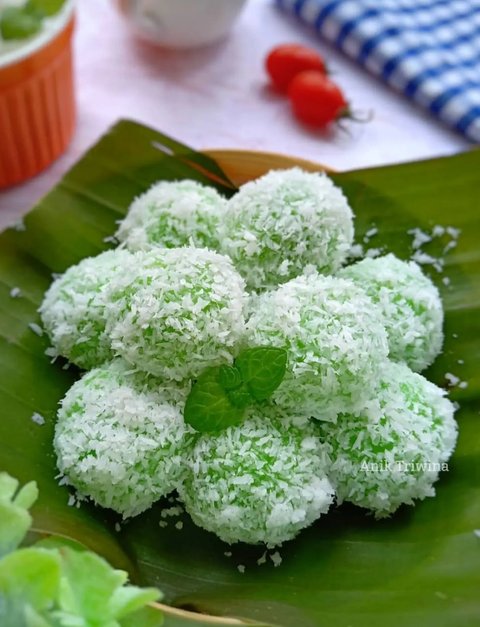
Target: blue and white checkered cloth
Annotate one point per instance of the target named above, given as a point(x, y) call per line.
point(427, 49)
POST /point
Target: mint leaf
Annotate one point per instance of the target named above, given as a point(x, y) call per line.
point(240, 397)
point(15, 519)
point(208, 408)
point(262, 370)
point(230, 377)
point(17, 23)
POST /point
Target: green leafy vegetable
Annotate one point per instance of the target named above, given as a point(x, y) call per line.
point(221, 394)
point(15, 520)
point(55, 584)
point(262, 370)
point(17, 23)
point(93, 591)
point(32, 575)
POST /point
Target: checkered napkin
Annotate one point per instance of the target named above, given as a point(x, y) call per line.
point(427, 49)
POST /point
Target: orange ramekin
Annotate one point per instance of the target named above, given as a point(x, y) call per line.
point(37, 103)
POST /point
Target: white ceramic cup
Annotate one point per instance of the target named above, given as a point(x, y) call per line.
point(181, 23)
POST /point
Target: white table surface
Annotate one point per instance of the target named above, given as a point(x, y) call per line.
point(218, 97)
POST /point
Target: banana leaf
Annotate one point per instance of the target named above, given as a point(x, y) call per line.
point(420, 568)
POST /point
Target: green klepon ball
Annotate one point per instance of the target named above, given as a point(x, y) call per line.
point(120, 438)
point(73, 309)
point(173, 214)
point(177, 311)
point(286, 220)
point(260, 482)
point(335, 341)
point(410, 304)
point(391, 452)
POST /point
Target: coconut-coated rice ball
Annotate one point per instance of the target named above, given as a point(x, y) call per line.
point(177, 311)
point(73, 309)
point(411, 307)
point(286, 220)
point(259, 482)
point(120, 438)
point(391, 452)
point(172, 214)
point(334, 338)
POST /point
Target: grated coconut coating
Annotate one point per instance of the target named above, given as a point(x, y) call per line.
point(260, 482)
point(280, 223)
point(172, 214)
point(73, 309)
point(410, 304)
point(335, 341)
point(176, 312)
point(120, 438)
point(391, 452)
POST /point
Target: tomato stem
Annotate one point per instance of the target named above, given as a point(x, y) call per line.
point(362, 117)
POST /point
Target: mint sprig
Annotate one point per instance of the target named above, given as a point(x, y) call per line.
point(208, 406)
point(220, 396)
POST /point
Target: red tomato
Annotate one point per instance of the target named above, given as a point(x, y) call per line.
point(316, 100)
point(284, 62)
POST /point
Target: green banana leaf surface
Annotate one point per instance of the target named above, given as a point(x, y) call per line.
point(420, 568)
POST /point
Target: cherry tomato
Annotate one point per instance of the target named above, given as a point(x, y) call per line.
point(316, 100)
point(284, 62)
